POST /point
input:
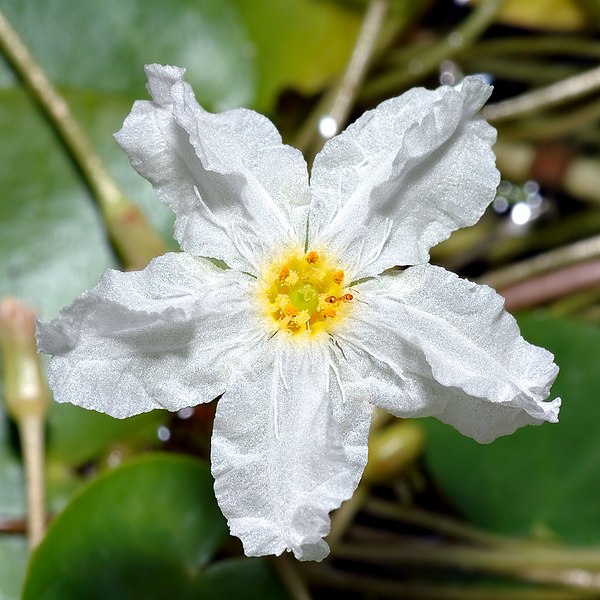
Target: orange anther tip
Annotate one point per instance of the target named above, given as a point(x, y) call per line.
point(338, 277)
point(328, 313)
point(312, 257)
point(285, 271)
point(291, 311)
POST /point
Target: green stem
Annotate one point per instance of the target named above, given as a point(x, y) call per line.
point(290, 577)
point(388, 588)
point(441, 524)
point(528, 71)
point(430, 58)
point(551, 125)
point(552, 95)
point(550, 565)
point(343, 518)
point(333, 110)
point(132, 235)
point(549, 44)
point(31, 432)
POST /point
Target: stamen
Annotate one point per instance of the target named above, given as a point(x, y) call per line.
point(312, 257)
point(338, 277)
point(291, 311)
point(303, 294)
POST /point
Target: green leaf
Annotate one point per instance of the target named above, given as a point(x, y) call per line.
point(13, 558)
point(248, 578)
point(145, 530)
point(77, 435)
point(299, 44)
point(51, 239)
point(206, 37)
point(541, 481)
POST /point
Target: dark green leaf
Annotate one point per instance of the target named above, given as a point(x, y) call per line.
point(247, 578)
point(541, 481)
point(145, 530)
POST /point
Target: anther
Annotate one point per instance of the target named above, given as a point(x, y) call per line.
point(338, 277)
point(312, 257)
point(328, 313)
point(284, 273)
point(290, 310)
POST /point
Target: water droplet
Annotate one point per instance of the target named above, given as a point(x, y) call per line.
point(163, 433)
point(328, 126)
point(185, 413)
point(500, 204)
point(520, 213)
point(531, 187)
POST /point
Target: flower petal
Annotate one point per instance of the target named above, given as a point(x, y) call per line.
point(424, 342)
point(236, 190)
point(288, 447)
point(403, 177)
point(165, 337)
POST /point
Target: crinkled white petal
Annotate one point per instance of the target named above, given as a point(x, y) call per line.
point(165, 337)
point(237, 192)
point(403, 177)
point(425, 342)
point(288, 447)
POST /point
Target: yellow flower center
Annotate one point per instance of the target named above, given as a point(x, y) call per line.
point(303, 293)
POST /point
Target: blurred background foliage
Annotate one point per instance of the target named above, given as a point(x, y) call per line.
point(437, 515)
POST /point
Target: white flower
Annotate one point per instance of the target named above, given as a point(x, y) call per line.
point(306, 330)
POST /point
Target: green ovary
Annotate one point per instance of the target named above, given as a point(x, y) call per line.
point(304, 297)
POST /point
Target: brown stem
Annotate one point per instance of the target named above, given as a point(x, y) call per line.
point(542, 289)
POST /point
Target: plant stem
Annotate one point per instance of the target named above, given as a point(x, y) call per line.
point(333, 110)
point(134, 238)
point(409, 590)
point(544, 263)
point(441, 524)
point(17, 526)
point(544, 44)
point(430, 58)
point(550, 286)
point(290, 578)
point(546, 97)
point(344, 516)
point(554, 565)
point(31, 431)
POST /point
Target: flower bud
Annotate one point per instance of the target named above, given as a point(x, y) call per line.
point(25, 390)
point(392, 449)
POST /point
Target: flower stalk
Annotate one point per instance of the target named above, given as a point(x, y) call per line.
point(27, 401)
